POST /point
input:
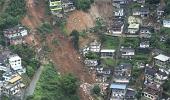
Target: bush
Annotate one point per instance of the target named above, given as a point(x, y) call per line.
point(75, 39)
point(96, 89)
point(83, 4)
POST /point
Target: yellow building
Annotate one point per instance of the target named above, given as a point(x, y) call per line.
point(55, 6)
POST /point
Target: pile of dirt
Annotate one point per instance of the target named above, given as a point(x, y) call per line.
point(79, 20)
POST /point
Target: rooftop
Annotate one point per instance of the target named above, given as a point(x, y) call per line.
point(118, 86)
point(14, 57)
point(14, 79)
point(150, 71)
point(136, 26)
point(162, 57)
point(14, 30)
point(107, 50)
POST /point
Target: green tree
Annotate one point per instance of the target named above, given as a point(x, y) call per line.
point(83, 4)
point(75, 39)
point(68, 83)
point(152, 1)
point(96, 90)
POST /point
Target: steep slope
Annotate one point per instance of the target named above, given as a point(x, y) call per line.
point(66, 59)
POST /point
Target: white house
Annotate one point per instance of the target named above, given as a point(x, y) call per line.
point(119, 12)
point(14, 32)
point(91, 63)
point(95, 46)
point(161, 60)
point(166, 23)
point(107, 53)
point(127, 52)
point(144, 44)
point(117, 27)
point(118, 91)
point(15, 62)
point(133, 28)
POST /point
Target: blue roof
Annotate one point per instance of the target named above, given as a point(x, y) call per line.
point(118, 86)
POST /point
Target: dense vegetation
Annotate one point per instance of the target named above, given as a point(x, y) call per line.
point(152, 1)
point(12, 14)
point(167, 8)
point(75, 39)
point(83, 4)
point(52, 86)
point(28, 58)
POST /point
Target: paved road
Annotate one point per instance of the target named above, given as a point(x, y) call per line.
point(30, 89)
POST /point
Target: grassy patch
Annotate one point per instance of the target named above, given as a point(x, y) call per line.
point(108, 62)
point(109, 42)
point(133, 42)
point(52, 86)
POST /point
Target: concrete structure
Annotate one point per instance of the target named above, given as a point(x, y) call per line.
point(107, 53)
point(119, 12)
point(144, 44)
point(152, 91)
point(55, 6)
point(15, 62)
point(127, 52)
point(122, 73)
point(95, 46)
point(117, 27)
point(133, 28)
point(161, 61)
point(166, 23)
point(118, 91)
point(14, 32)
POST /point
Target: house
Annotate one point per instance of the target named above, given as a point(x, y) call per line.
point(152, 91)
point(133, 28)
point(68, 5)
point(118, 91)
point(14, 32)
point(144, 11)
point(122, 73)
point(127, 52)
point(17, 40)
point(95, 46)
point(140, 1)
point(120, 1)
point(117, 27)
point(119, 12)
point(144, 44)
point(145, 32)
point(91, 63)
point(15, 62)
point(136, 12)
point(166, 23)
point(13, 86)
point(107, 53)
point(130, 94)
point(150, 74)
point(161, 61)
point(134, 20)
point(161, 76)
point(160, 11)
point(55, 6)
point(103, 74)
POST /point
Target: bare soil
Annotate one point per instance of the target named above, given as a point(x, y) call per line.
point(79, 20)
point(64, 56)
